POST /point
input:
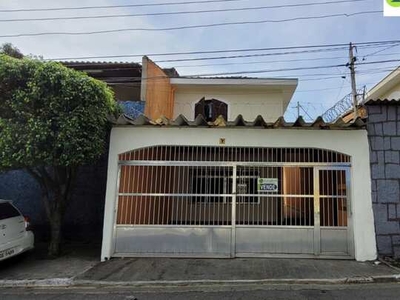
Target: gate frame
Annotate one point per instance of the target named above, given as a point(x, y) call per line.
point(344, 140)
point(317, 220)
point(234, 165)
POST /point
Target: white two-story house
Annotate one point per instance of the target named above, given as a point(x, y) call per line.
point(213, 170)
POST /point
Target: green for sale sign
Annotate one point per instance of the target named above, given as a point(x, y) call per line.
point(265, 185)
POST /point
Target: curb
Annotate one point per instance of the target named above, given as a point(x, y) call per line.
point(180, 283)
point(68, 282)
point(53, 282)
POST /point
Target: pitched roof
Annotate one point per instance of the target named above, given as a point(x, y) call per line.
point(220, 122)
point(382, 101)
point(383, 86)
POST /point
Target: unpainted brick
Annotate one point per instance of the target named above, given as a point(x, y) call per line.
point(396, 252)
point(391, 113)
point(376, 118)
point(392, 157)
point(384, 244)
point(395, 143)
point(378, 171)
point(392, 212)
point(370, 129)
point(380, 157)
point(388, 227)
point(388, 191)
point(392, 171)
point(386, 143)
point(389, 128)
point(396, 240)
point(380, 213)
point(377, 143)
point(373, 157)
point(378, 129)
point(374, 109)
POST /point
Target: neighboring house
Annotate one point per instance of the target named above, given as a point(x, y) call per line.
point(213, 170)
point(383, 107)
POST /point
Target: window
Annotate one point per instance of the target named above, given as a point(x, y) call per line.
point(210, 184)
point(246, 185)
point(211, 109)
point(8, 211)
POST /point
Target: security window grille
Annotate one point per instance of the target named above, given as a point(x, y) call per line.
point(211, 109)
point(215, 185)
point(209, 184)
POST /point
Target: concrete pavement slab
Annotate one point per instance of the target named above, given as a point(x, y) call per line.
point(239, 269)
point(35, 265)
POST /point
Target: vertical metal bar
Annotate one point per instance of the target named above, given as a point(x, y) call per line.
point(186, 187)
point(349, 212)
point(233, 217)
point(173, 199)
point(195, 183)
point(317, 231)
point(164, 191)
point(147, 216)
point(116, 208)
point(155, 179)
point(179, 179)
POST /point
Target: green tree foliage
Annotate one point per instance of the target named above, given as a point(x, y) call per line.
point(52, 119)
point(10, 50)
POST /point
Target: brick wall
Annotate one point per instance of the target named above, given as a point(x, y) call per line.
point(384, 136)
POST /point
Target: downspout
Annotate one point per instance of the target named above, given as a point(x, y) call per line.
point(172, 101)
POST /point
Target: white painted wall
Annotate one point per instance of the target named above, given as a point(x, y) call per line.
point(248, 101)
point(351, 142)
point(387, 88)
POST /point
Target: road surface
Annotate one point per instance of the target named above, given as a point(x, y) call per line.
point(256, 292)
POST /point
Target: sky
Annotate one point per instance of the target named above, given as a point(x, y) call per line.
point(318, 89)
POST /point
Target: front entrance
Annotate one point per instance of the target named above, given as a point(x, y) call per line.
point(233, 202)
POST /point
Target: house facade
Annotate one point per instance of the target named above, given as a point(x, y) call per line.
point(213, 170)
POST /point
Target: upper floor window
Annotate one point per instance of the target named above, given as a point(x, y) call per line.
point(210, 109)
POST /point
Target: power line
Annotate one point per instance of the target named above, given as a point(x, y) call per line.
point(180, 12)
point(114, 6)
point(291, 69)
point(192, 26)
point(360, 44)
point(250, 55)
point(232, 56)
point(260, 62)
point(215, 75)
point(381, 50)
point(276, 61)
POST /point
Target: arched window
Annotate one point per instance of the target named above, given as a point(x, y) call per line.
point(210, 109)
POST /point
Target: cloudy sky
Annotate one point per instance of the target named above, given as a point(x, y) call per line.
point(318, 88)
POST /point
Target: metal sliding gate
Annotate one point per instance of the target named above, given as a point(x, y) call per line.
point(227, 202)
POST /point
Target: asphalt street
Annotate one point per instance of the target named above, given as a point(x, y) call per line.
point(298, 292)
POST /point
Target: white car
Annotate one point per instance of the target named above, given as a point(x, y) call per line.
point(15, 234)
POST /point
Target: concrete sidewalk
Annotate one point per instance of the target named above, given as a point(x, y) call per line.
point(149, 271)
point(35, 268)
point(80, 266)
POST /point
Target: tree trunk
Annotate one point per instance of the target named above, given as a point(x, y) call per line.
point(55, 234)
point(56, 187)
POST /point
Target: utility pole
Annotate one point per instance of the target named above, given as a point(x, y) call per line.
point(353, 78)
point(298, 109)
